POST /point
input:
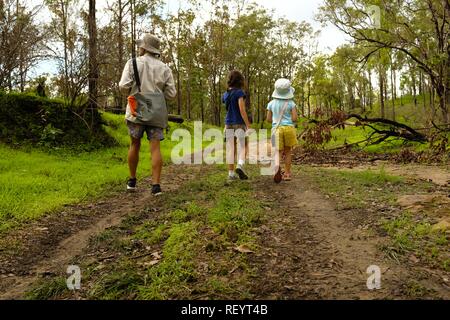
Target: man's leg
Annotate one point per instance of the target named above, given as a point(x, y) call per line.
point(157, 161)
point(133, 156)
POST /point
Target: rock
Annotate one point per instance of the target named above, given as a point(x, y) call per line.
point(414, 259)
point(444, 225)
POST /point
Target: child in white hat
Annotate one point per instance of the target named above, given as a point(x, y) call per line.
point(282, 113)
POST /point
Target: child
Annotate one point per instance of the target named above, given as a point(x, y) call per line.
point(236, 124)
point(282, 113)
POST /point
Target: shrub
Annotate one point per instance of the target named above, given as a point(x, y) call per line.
point(27, 118)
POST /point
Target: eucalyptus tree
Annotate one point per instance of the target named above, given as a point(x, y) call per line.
point(418, 28)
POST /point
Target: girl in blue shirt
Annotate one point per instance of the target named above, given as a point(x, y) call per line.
point(236, 124)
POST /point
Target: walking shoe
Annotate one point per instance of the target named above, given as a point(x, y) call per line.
point(241, 173)
point(278, 176)
point(131, 184)
point(156, 190)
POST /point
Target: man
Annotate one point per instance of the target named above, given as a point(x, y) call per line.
point(156, 77)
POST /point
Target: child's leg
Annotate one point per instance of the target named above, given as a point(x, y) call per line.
point(288, 160)
point(231, 165)
point(231, 152)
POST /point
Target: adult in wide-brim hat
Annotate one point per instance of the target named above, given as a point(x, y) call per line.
point(150, 43)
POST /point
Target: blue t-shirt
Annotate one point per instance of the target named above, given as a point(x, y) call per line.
point(231, 100)
point(276, 106)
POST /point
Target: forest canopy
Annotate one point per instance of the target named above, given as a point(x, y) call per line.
point(398, 49)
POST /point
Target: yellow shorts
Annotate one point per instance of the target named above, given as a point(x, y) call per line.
point(286, 137)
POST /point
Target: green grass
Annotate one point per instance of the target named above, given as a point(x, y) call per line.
point(48, 289)
point(406, 112)
point(192, 230)
point(34, 182)
point(357, 189)
point(414, 235)
point(353, 135)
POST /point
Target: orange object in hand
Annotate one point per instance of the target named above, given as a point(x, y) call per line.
point(133, 105)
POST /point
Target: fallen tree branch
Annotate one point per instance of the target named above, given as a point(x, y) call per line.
point(441, 129)
point(408, 133)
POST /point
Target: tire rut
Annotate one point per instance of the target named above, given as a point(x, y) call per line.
point(310, 250)
point(41, 256)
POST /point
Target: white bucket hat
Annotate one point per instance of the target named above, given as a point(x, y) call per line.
point(150, 43)
point(283, 90)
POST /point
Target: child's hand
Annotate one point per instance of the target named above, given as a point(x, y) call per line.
point(249, 132)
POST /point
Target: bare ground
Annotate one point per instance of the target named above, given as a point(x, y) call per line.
point(313, 251)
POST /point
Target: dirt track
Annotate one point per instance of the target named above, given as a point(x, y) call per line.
point(313, 251)
point(308, 249)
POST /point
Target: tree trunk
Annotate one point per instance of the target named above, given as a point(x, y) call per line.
point(381, 81)
point(66, 54)
point(93, 63)
point(178, 91)
point(414, 87)
point(393, 89)
point(370, 101)
point(188, 94)
point(133, 27)
point(120, 41)
point(309, 99)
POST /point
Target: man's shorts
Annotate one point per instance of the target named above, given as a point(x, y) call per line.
point(137, 131)
point(286, 137)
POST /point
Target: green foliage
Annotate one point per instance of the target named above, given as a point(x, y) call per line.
point(410, 234)
point(358, 189)
point(179, 234)
point(47, 290)
point(177, 267)
point(34, 182)
point(29, 119)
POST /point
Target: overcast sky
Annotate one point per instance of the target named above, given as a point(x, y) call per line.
point(295, 10)
point(305, 10)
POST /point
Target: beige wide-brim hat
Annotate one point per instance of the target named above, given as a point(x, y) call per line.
point(150, 43)
point(283, 90)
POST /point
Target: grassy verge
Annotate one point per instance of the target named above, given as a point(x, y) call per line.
point(34, 182)
point(413, 236)
point(374, 195)
point(357, 134)
point(188, 249)
point(356, 190)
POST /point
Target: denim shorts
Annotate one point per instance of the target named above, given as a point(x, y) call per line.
point(137, 131)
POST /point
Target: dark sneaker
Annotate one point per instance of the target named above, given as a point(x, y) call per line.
point(131, 185)
point(156, 190)
point(241, 173)
point(278, 176)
